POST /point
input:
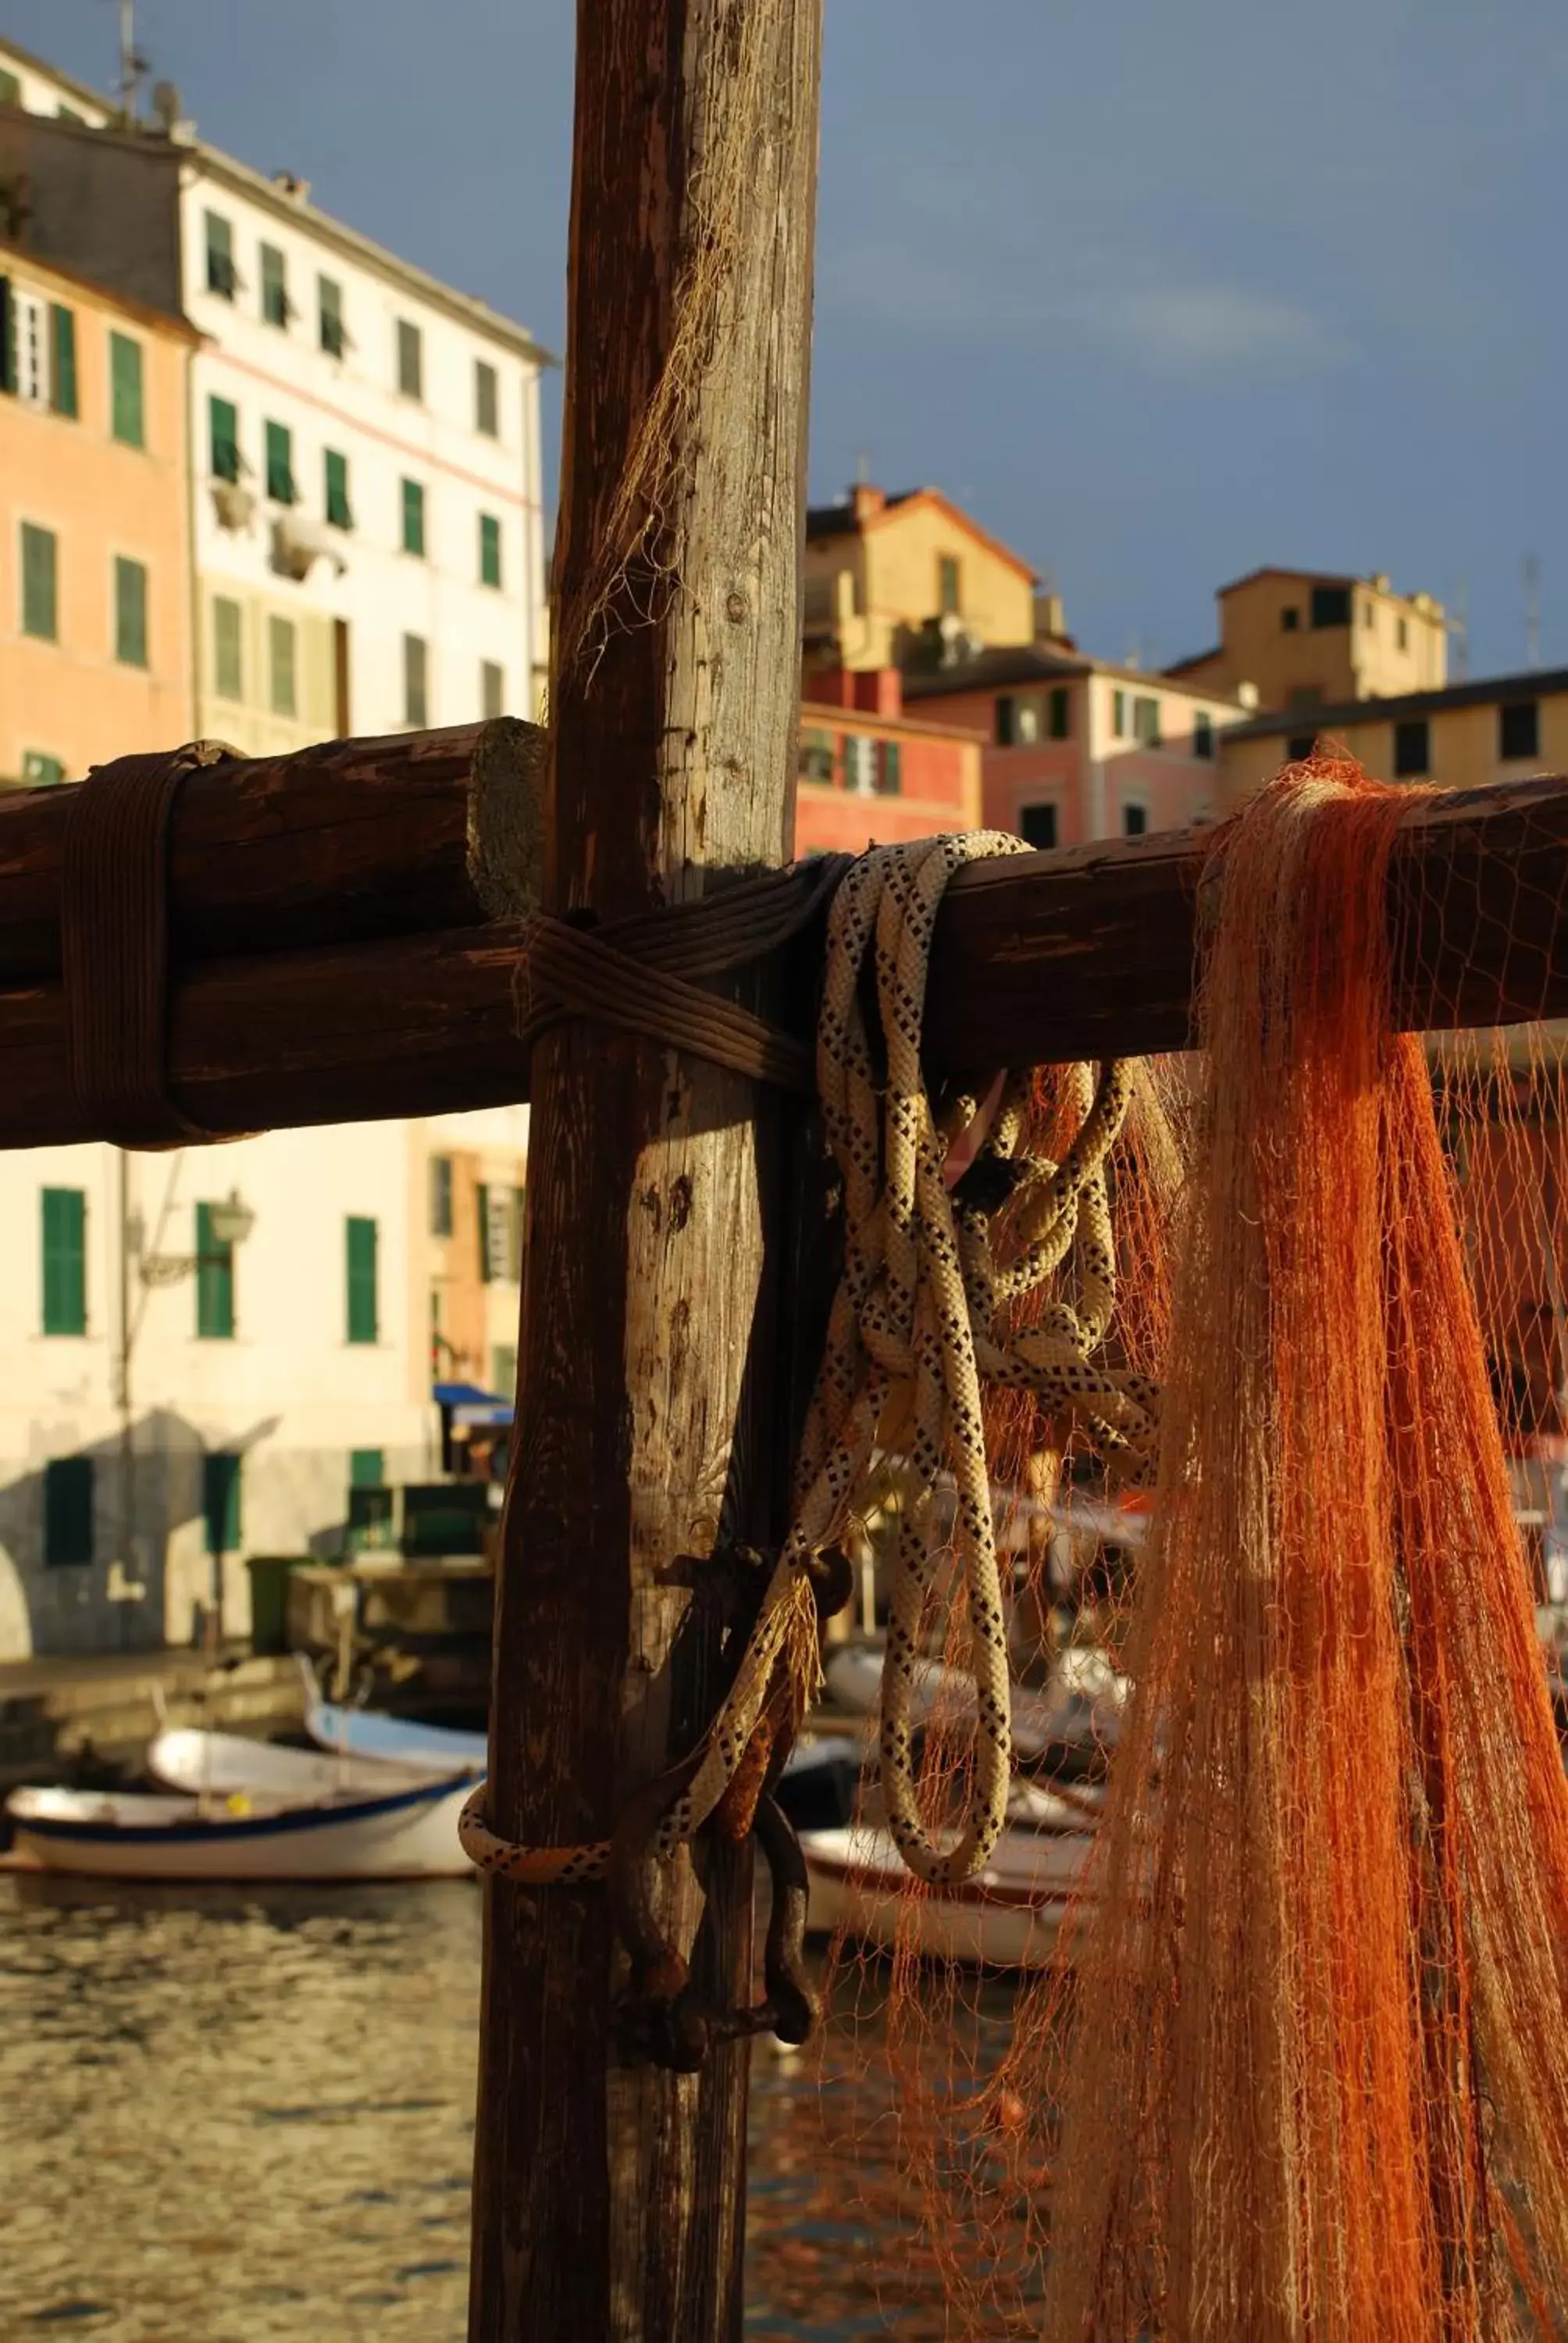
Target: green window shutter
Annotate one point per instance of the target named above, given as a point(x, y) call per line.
point(220, 1502)
point(68, 1511)
point(440, 1195)
point(215, 1281)
point(280, 645)
point(40, 771)
point(339, 510)
point(1058, 713)
point(1119, 714)
point(10, 89)
point(364, 1315)
point(367, 1468)
point(413, 518)
point(504, 1370)
point(223, 436)
point(130, 612)
point(482, 1208)
point(489, 549)
point(416, 680)
point(492, 687)
point(227, 667)
point(129, 423)
point(273, 285)
point(40, 614)
point(411, 361)
point(889, 767)
point(329, 315)
point(63, 343)
point(220, 269)
point(7, 337)
point(487, 403)
point(280, 463)
point(64, 1233)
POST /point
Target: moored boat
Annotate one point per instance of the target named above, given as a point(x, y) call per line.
point(408, 1832)
point(391, 1740)
point(226, 1764)
point(1012, 1915)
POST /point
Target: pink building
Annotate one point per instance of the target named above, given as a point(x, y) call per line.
point(870, 774)
point(1077, 749)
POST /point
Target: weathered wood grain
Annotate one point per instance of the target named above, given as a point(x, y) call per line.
point(609, 2200)
point(350, 841)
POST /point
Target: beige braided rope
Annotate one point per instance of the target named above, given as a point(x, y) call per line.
point(915, 1326)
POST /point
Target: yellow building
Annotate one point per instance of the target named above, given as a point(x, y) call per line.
point(1502, 729)
point(94, 542)
point(902, 581)
point(1301, 637)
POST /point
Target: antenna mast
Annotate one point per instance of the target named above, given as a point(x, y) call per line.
point(133, 65)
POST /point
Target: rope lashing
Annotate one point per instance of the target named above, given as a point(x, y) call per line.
point(919, 1321)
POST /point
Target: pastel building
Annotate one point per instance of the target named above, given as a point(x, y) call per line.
point(1504, 728)
point(1303, 637)
point(870, 773)
point(96, 649)
point(1077, 749)
point(906, 581)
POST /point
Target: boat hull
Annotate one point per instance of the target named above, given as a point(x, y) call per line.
point(1013, 1916)
point(409, 1834)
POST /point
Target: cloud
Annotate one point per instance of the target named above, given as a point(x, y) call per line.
point(1192, 327)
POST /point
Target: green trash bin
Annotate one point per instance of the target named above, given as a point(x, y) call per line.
point(269, 1576)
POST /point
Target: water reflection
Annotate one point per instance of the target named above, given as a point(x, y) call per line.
point(248, 2117)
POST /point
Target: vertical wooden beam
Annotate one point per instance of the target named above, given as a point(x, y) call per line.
point(609, 2199)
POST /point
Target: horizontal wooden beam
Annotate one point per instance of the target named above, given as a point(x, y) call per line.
point(342, 843)
point(1085, 953)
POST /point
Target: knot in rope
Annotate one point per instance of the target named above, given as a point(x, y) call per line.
point(922, 1316)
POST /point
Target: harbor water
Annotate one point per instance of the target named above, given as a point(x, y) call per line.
point(247, 2116)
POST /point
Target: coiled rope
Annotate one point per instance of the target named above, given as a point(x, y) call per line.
point(918, 1323)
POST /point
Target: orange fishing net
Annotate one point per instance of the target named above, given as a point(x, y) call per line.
point(1297, 2069)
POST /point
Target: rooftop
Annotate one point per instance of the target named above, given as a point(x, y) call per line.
point(867, 507)
point(1026, 663)
point(1535, 683)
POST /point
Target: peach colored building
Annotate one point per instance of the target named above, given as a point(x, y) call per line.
point(894, 581)
point(1077, 749)
point(95, 536)
point(1297, 638)
point(870, 775)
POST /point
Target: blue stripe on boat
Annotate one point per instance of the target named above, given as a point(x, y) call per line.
point(297, 1818)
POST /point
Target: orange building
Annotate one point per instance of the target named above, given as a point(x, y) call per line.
point(95, 536)
point(870, 775)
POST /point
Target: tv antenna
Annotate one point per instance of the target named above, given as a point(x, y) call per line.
point(1457, 626)
point(133, 65)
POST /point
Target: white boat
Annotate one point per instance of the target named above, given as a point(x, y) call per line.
point(406, 1833)
point(1078, 1716)
point(225, 1765)
point(393, 1740)
point(1011, 1915)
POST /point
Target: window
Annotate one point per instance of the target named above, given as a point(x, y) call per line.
point(816, 761)
point(223, 438)
point(1402, 634)
point(1006, 720)
point(1025, 722)
point(1119, 714)
point(489, 549)
point(1134, 820)
point(222, 277)
point(487, 404)
point(64, 1258)
point(360, 1249)
point(280, 666)
point(440, 1195)
point(220, 1473)
point(1289, 619)
point(1369, 616)
point(274, 301)
point(413, 518)
point(67, 1512)
point(416, 680)
point(1037, 823)
point(215, 1281)
point(889, 769)
point(492, 687)
point(329, 316)
point(64, 113)
point(1412, 749)
point(860, 764)
point(130, 611)
point(1058, 712)
point(1299, 747)
point(40, 601)
point(411, 361)
point(1146, 721)
point(126, 390)
point(280, 464)
point(367, 1468)
point(40, 771)
point(10, 89)
point(339, 512)
point(228, 669)
point(501, 1235)
point(1519, 729)
point(1331, 606)
point(504, 1371)
point(949, 583)
point(27, 347)
point(1202, 733)
point(63, 354)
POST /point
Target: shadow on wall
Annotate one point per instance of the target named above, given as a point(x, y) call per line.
point(85, 1552)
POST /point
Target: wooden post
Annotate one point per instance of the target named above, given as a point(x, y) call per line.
point(608, 2200)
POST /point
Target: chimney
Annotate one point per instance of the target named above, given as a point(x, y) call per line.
point(1050, 618)
point(866, 502)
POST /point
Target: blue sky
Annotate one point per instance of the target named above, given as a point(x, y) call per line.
point(1159, 292)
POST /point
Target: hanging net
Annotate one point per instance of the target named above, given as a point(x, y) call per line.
point(1295, 2066)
